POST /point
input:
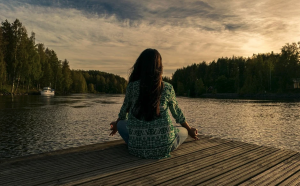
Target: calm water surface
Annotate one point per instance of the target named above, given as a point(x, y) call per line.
point(36, 124)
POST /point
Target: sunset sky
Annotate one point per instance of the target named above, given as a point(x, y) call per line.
point(108, 35)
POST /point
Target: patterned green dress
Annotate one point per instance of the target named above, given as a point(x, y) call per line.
point(153, 139)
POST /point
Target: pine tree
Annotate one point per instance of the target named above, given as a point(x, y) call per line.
point(67, 79)
point(2, 63)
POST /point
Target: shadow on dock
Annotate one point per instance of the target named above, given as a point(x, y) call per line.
point(208, 161)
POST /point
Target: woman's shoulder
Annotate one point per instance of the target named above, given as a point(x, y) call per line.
point(167, 86)
point(168, 89)
point(133, 84)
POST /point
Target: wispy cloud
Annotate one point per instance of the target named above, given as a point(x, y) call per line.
point(108, 35)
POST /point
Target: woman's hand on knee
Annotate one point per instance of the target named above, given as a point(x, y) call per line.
point(114, 128)
point(193, 132)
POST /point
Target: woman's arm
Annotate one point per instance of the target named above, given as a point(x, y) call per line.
point(123, 112)
point(193, 132)
point(174, 108)
point(114, 127)
point(178, 115)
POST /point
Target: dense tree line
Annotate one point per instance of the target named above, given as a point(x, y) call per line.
point(27, 65)
point(96, 81)
point(269, 72)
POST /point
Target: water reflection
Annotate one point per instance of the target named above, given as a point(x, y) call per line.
point(36, 124)
point(261, 122)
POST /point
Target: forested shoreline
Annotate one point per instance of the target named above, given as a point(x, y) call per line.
point(271, 73)
point(27, 67)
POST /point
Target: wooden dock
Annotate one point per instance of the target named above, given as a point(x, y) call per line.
point(207, 161)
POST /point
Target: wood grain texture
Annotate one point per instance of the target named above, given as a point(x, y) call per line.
point(208, 161)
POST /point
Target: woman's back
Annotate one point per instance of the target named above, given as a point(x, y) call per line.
point(144, 122)
point(151, 139)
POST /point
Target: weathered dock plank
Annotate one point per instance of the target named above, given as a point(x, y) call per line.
point(292, 180)
point(42, 169)
point(191, 148)
point(203, 169)
point(238, 175)
point(162, 165)
point(208, 161)
point(277, 174)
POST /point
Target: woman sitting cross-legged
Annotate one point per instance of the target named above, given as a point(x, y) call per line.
point(144, 122)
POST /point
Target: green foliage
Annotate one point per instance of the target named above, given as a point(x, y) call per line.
point(2, 72)
point(101, 85)
point(105, 82)
point(2, 63)
point(91, 88)
point(225, 85)
point(257, 74)
point(79, 83)
point(221, 84)
point(22, 62)
point(180, 89)
point(199, 87)
point(15, 42)
point(67, 79)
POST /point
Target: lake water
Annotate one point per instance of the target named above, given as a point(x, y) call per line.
point(37, 124)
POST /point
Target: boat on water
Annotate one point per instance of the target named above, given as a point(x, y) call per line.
point(47, 91)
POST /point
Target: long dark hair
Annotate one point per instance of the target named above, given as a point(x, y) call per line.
point(148, 69)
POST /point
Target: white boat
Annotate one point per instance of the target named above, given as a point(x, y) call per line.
point(47, 91)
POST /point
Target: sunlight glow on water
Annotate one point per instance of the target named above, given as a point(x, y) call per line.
point(36, 124)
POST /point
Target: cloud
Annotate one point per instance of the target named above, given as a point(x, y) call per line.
point(122, 9)
point(108, 35)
